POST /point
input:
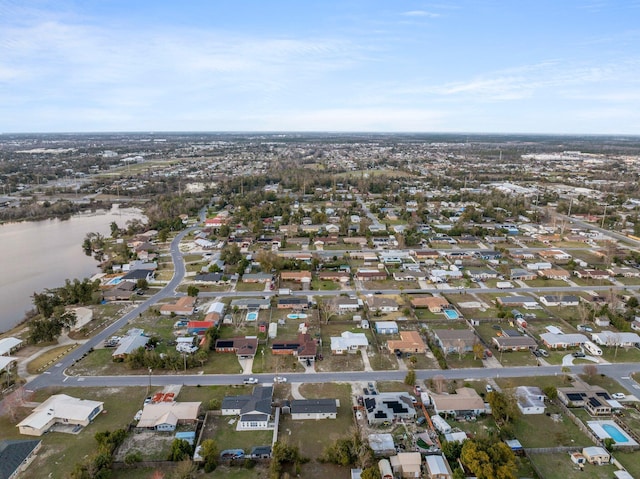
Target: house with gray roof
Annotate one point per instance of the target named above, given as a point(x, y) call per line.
point(254, 410)
point(388, 407)
point(314, 409)
point(16, 455)
point(129, 344)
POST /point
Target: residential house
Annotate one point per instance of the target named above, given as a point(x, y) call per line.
point(555, 254)
point(214, 278)
point(296, 276)
point(386, 327)
point(530, 400)
point(243, 347)
point(371, 275)
point(215, 311)
point(593, 398)
point(338, 276)
point(458, 341)
point(482, 274)
point(304, 347)
point(254, 410)
point(348, 342)
point(409, 342)
point(625, 272)
point(123, 291)
point(129, 344)
point(611, 338)
point(435, 304)
point(314, 409)
point(410, 275)
point(381, 304)
point(539, 266)
point(406, 465)
point(563, 341)
point(428, 256)
point(554, 273)
point(465, 402)
point(387, 407)
point(8, 363)
point(165, 416)
point(564, 300)
point(596, 455)
point(591, 274)
point(382, 444)
point(184, 306)
point(199, 327)
point(514, 342)
point(292, 302)
point(16, 455)
point(252, 304)
point(60, 409)
point(343, 304)
point(137, 274)
point(519, 274)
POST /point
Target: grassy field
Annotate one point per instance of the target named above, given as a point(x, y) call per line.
point(559, 466)
point(556, 433)
point(48, 358)
point(222, 429)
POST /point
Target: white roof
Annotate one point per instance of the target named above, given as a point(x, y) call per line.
point(456, 436)
point(128, 344)
point(436, 465)
point(6, 361)
point(216, 307)
point(560, 339)
point(7, 344)
point(62, 407)
point(381, 442)
point(613, 338)
point(386, 324)
point(348, 340)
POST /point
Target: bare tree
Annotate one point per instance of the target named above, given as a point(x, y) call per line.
point(326, 309)
point(440, 384)
point(590, 371)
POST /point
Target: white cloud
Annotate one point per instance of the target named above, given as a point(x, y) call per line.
point(421, 13)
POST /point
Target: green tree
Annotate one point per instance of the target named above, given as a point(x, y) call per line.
point(142, 284)
point(209, 452)
point(410, 378)
point(504, 408)
point(371, 472)
point(193, 291)
point(489, 460)
point(180, 450)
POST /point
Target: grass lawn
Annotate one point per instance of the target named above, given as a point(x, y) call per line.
point(47, 359)
point(318, 285)
point(454, 361)
point(556, 433)
point(545, 283)
point(60, 452)
point(630, 461)
point(623, 355)
point(270, 363)
point(559, 466)
point(383, 361)
point(249, 287)
point(222, 429)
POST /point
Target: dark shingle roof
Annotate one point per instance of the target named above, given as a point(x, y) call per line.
point(13, 453)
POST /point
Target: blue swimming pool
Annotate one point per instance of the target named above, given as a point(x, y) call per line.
point(451, 314)
point(252, 316)
point(615, 433)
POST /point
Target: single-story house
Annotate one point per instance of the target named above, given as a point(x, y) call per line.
point(296, 276)
point(137, 274)
point(514, 301)
point(348, 342)
point(435, 304)
point(409, 342)
point(564, 341)
point(304, 347)
point(257, 277)
point(611, 338)
point(564, 300)
point(384, 305)
point(216, 311)
point(314, 409)
point(596, 455)
point(465, 401)
point(514, 343)
point(382, 444)
point(59, 409)
point(482, 274)
point(520, 274)
point(554, 273)
point(123, 291)
point(389, 406)
point(16, 455)
point(455, 340)
point(386, 327)
point(339, 276)
point(129, 344)
point(254, 409)
point(371, 275)
point(251, 303)
point(530, 400)
point(183, 306)
point(344, 305)
point(243, 347)
point(165, 416)
point(199, 327)
point(292, 302)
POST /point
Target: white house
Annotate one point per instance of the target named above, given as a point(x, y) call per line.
point(314, 409)
point(59, 409)
point(530, 400)
point(348, 342)
point(165, 416)
point(386, 327)
point(611, 338)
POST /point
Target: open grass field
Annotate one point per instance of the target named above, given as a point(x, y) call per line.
point(559, 466)
point(48, 358)
point(556, 433)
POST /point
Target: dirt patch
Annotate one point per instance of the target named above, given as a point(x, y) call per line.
point(152, 445)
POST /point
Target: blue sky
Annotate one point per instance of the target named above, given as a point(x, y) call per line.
point(501, 66)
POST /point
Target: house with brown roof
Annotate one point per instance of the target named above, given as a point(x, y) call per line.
point(384, 305)
point(409, 342)
point(243, 347)
point(466, 401)
point(435, 304)
point(183, 306)
point(514, 342)
point(371, 275)
point(339, 276)
point(304, 347)
point(296, 276)
point(554, 273)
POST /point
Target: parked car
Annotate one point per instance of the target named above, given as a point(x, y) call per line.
point(138, 415)
point(250, 380)
point(536, 353)
point(544, 352)
point(578, 354)
point(618, 396)
point(488, 388)
point(280, 379)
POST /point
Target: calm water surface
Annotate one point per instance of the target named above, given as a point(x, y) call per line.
point(38, 255)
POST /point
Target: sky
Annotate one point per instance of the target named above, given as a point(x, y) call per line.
point(482, 66)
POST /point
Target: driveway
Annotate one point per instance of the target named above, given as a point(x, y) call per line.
point(568, 359)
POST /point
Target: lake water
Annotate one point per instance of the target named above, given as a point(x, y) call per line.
point(38, 255)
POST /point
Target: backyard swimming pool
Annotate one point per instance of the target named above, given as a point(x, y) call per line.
point(252, 316)
point(451, 314)
point(609, 429)
point(296, 316)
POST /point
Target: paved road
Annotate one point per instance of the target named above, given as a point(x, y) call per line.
point(55, 375)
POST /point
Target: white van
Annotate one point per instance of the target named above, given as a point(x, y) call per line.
point(592, 348)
